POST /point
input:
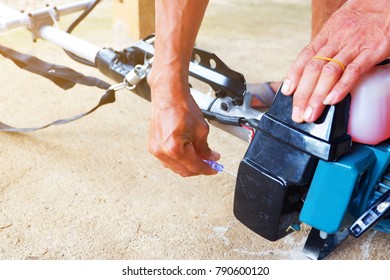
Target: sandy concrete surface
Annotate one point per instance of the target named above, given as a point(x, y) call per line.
point(90, 190)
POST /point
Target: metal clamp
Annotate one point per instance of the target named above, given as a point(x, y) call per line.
point(136, 75)
point(39, 18)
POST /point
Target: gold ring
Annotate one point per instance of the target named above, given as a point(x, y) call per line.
point(332, 60)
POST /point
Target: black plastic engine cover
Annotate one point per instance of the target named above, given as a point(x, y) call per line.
point(275, 174)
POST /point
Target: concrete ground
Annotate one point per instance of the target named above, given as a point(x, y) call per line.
point(90, 190)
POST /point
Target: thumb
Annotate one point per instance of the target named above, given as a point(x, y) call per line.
point(205, 152)
point(212, 155)
point(201, 146)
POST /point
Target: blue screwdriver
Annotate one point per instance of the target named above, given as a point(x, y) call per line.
point(218, 167)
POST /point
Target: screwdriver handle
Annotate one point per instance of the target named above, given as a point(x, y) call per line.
point(214, 165)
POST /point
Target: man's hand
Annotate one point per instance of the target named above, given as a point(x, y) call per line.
point(178, 132)
point(357, 35)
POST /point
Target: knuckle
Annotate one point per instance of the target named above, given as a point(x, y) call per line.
point(160, 149)
point(153, 147)
point(331, 69)
point(155, 150)
point(354, 69)
point(309, 50)
point(173, 148)
point(314, 65)
point(342, 89)
point(204, 129)
point(342, 85)
point(316, 99)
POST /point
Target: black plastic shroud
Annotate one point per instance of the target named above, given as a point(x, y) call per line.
point(275, 174)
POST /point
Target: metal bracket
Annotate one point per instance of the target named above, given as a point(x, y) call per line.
point(378, 211)
point(318, 246)
point(208, 68)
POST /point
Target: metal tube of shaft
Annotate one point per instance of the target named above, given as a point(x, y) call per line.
point(69, 42)
point(11, 18)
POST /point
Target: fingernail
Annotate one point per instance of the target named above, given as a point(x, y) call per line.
point(329, 99)
point(308, 113)
point(296, 114)
point(285, 87)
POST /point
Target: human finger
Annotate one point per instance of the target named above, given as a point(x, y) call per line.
point(188, 162)
point(183, 163)
point(331, 72)
point(177, 167)
point(354, 70)
point(308, 82)
point(162, 154)
point(179, 155)
point(305, 87)
point(297, 68)
point(194, 162)
point(201, 145)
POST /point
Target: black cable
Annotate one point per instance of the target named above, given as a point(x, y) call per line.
point(224, 119)
point(73, 26)
point(230, 120)
point(211, 104)
point(252, 122)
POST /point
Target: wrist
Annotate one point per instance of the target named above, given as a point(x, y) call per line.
point(167, 75)
point(168, 86)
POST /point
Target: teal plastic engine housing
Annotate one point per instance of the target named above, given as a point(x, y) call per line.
point(343, 190)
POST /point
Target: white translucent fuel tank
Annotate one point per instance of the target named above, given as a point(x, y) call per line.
point(369, 120)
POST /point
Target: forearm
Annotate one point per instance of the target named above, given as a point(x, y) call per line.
point(177, 25)
point(321, 11)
